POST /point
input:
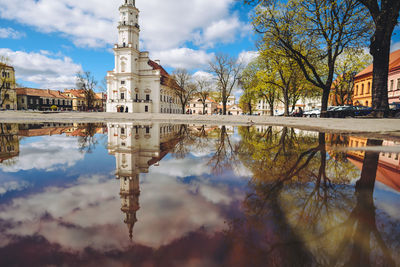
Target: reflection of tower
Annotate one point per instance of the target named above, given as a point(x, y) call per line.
point(136, 148)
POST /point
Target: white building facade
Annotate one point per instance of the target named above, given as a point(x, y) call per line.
point(137, 84)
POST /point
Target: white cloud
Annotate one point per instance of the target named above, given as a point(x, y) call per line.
point(183, 58)
point(49, 153)
point(46, 69)
point(223, 31)
point(10, 33)
point(166, 26)
point(246, 57)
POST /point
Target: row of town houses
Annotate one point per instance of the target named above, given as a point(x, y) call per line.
point(13, 98)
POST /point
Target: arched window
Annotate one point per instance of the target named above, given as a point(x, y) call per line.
point(356, 92)
point(369, 88)
point(362, 89)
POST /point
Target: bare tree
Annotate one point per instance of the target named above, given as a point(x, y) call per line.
point(228, 71)
point(86, 82)
point(183, 87)
point(203, 90)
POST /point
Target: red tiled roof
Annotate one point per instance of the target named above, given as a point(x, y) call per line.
point(165, 77)
point(75, 92)
point(394, 61)
point(40, 93)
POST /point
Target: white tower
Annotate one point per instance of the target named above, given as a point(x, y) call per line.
point(124, 80)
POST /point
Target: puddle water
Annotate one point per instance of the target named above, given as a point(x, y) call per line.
point(184, 195)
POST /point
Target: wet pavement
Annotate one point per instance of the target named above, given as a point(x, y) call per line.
point(125, 194)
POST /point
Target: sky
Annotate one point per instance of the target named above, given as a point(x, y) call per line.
point(49, 41)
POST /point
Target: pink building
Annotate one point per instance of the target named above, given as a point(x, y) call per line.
point(394, 84)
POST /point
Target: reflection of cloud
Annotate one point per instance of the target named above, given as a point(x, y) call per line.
point(387, 200)
point(182, 167)
point(171, 209)
point(9, 186)
point(83, 215)
point(241, 171)
point(48, 153)
point(87, 213)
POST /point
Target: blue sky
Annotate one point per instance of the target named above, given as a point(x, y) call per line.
point(49, 41)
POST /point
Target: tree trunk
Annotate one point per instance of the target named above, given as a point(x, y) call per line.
point(380, 50)
point(286, 103)
point(271, 108)
point(224, 107)
point(324, 101)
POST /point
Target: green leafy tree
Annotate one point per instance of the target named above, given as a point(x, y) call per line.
point(350, 63)
point(314, 34)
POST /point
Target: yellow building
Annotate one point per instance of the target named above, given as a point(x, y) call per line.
point(79, 101)
point(363, 81)
point(8, 94)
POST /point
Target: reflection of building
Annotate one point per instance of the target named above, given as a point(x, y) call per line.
point(137, 84)
point(136, 148)
point(388, 171)
point(9, 141)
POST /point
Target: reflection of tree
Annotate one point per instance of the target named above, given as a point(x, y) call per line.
point(225, 154)
point(87, 140)
point(300, 202)
point(182, 148)
point(361, 224)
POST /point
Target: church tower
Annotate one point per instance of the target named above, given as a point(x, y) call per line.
point(137, 84)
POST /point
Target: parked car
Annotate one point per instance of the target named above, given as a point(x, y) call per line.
point(348, 111)
point(314, 113)
point(394, 110)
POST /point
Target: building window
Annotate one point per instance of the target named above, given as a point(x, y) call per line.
point(147, 97)
point(362, 89)
point(146, 108)
point(37, 101)
point(356, 90)
point(147, 130)
point(31, 101)
point(122, 96)
point(369, 88)
point(398, 84)
point(22, 100)
point(122, 82)
point(122, 130)
point(391, 85)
